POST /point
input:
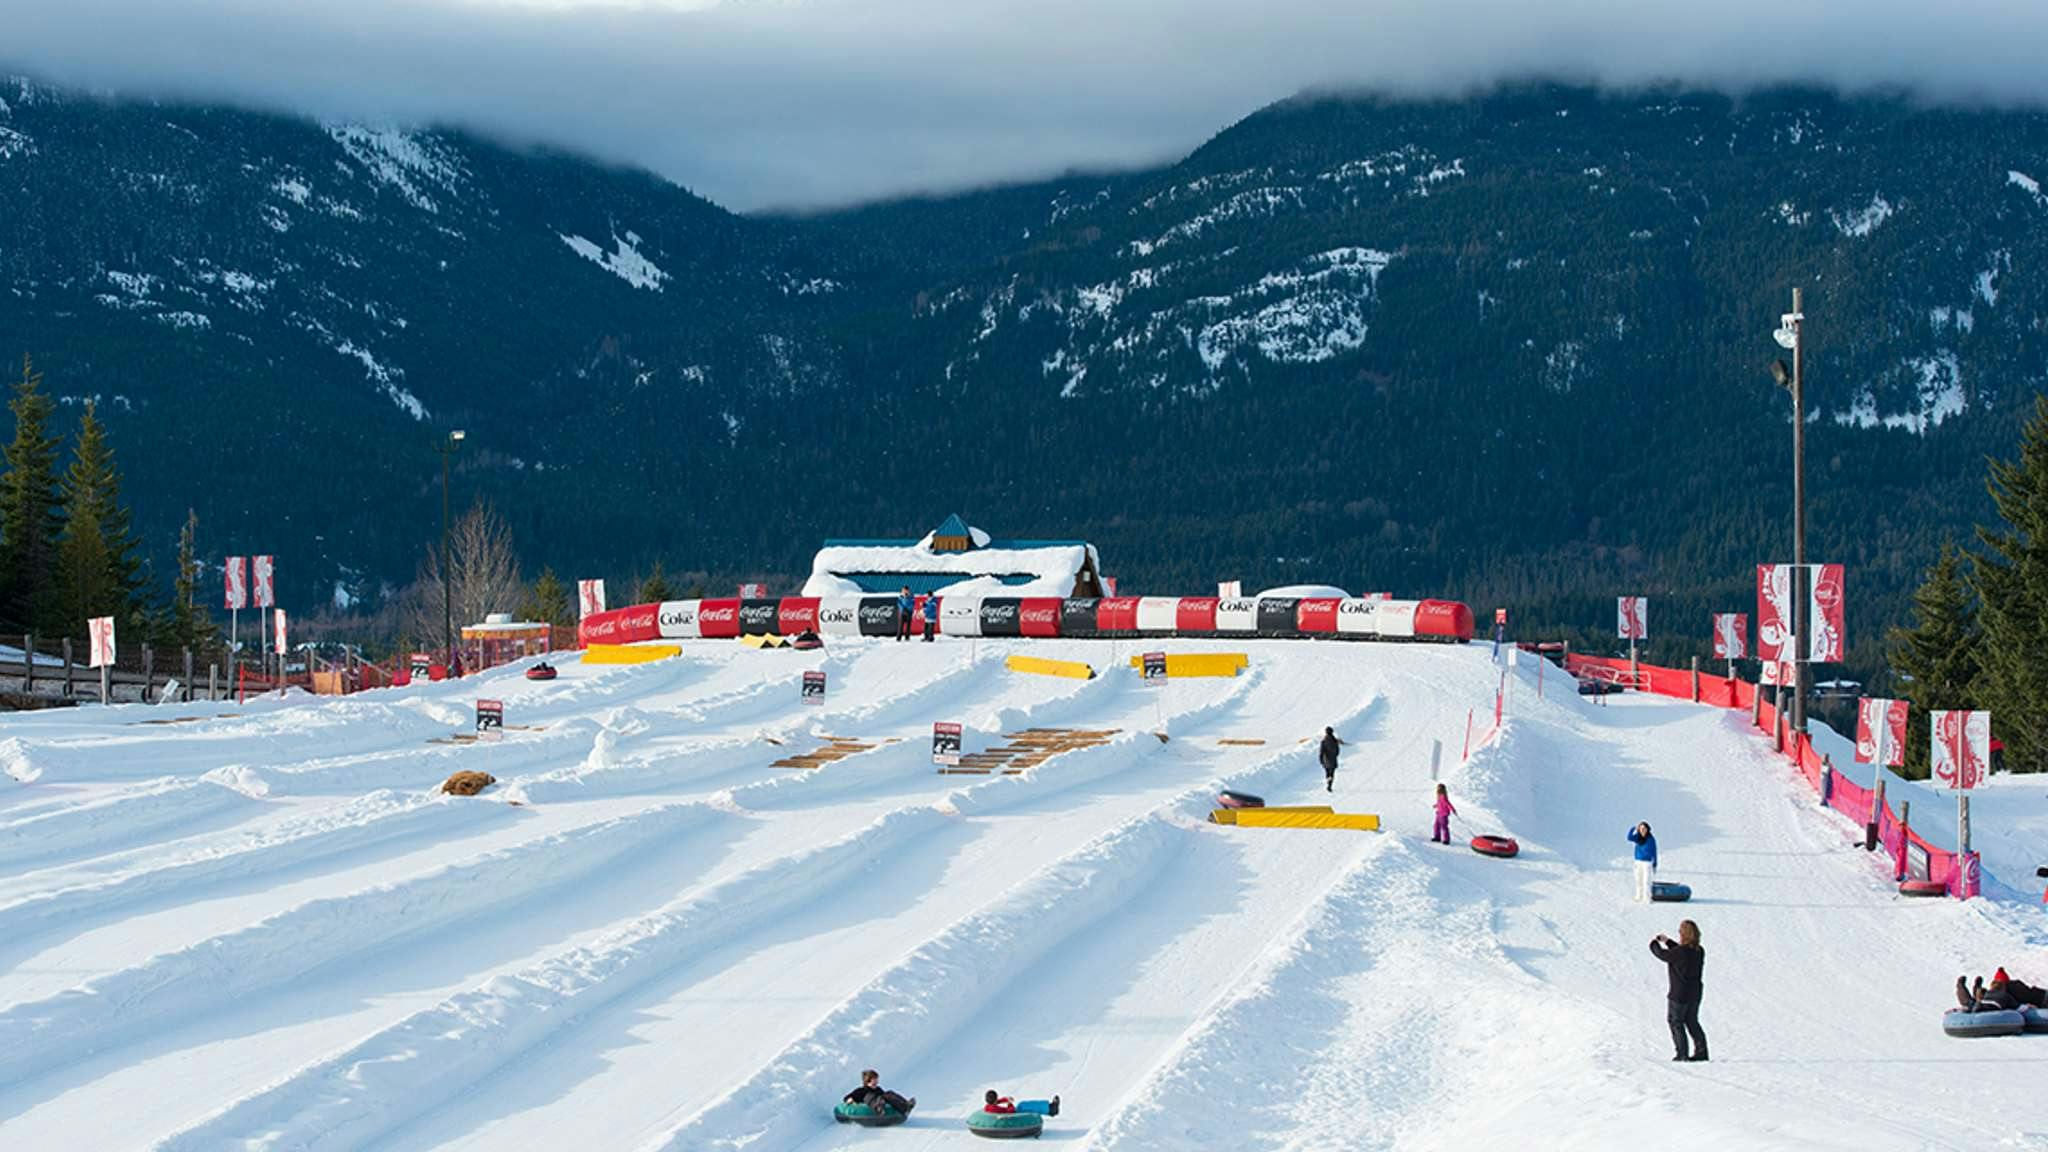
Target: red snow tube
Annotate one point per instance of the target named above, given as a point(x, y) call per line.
point(1922, 888)
point(1229, 799)
point(541, 672)
point(1502, 846)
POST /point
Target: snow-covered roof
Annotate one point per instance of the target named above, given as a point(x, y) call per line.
point(1304, 592)
point(991, 568)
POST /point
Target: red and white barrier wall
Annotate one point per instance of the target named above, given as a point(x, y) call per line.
point(1443, 621)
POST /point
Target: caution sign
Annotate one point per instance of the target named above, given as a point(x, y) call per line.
point(420, 664)
point(946, 743)
point(814, 687)
point(490, 719)
point(1154, 665)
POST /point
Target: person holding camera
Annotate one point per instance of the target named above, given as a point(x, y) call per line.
point(1683, 960)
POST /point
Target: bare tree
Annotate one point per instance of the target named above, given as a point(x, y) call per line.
point(484, 574)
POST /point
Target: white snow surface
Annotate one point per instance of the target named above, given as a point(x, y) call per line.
point(1052, 570)
point(260, 927)
point(623, 261)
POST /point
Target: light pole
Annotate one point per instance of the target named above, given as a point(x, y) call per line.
point(447, 451)
point(1789, 337)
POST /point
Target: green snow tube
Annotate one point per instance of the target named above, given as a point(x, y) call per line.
point(1006, 1125)
point(881, 1116)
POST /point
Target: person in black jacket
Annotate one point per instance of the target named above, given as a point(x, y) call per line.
point(1328, 755)
point(1683, 961)
point(876, 1097)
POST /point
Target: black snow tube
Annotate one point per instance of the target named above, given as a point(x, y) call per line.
point(1962, 1022)
point(807, 641)
point(541, 672)
point(1006, 1125)
point(1922, 888)
point(1669, 892)
point(1229, 799)
point(1501, 846)
point(866, 1117)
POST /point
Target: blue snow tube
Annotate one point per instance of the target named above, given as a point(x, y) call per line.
point(1962, 1022)
point(1006, 1125)
point(1670, 892)
point(2036, 1019)
point(880, 1116)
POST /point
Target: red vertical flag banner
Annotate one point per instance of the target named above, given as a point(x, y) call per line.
point(1962, 748)
point(102, 630)
point(1773, 611)
point(1880, 731)
point(590, 597)
point(1731, 635)
point(265, 581)
point(1824, 615)
point(1632, 617)
point(235, 574)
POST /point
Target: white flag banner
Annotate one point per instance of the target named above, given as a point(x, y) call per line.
point(266, 586)
point(590, 597)
point(1962, 748)
point(1632, 617)
point(102, 630)
point(236, 574)
point(277, 617)
point(1731, 635)
point(1230, 590)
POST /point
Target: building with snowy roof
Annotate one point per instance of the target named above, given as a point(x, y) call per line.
point(956, 559)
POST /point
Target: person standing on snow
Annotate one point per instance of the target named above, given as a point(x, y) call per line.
point(1683, 961)
point(905, 605)
point(1646, 859)
point(1328, 755)
point(1444, 812)
point(931, 617)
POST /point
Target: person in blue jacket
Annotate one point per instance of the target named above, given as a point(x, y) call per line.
point(1646, 859)
point(904, 603)
point(931, 616)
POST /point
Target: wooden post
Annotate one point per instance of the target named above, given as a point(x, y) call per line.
point(1756, 707)
point(148, 672)
point(28, 664)
point(69, 669)
point(1695, 679)
point(1962, 825)
point(1876, 808)
point(212, 682)
point(187, 697)
point(106, 684)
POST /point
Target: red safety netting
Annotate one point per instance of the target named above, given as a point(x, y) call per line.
point(1853, 800)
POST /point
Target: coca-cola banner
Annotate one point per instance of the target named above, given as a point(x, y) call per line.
point(839, 616)
point(1040, 616)
point(1237, 615)
point(958, 617)
point(1880, 731)
point(1278, 617)
point(1002, 616)
point(623, 625)
point(1158, 614)
point(1117, 614)
point(1774, 619)
point(1731, 635)
point(678, 620)
point(1077, 618)
point(718, 619)
point(1195, 615)
point(1317, 615)
point(1962, 748)
point(236, 573)
point(1632, 617)
point(796, 615)
point(1824, 615)
point(1358, 617)
point(880, 616)
point(1405, 619)
point(760, 617)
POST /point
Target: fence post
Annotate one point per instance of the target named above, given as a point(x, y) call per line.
point(212, 683)
point(1827, 781)
point(1695, 679)
point(1778, 716)
point(1756, 707)
point(188, 676)
point(68, 667)
point(28, 664)
point(148, 672)
point(1876, 809)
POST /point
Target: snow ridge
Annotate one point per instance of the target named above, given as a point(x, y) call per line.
point(623, 261)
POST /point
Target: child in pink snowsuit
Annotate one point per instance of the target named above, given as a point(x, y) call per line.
point(1442, 835)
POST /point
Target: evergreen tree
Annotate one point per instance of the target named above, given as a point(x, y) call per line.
point(2012, 584)
point(28, 511)
point(93, 481)
point(191, 624)
point(1937, 658)
point(85, 586)
point(655, 589)
point(547, 602)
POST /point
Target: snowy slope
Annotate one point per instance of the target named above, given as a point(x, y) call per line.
point(262, 929)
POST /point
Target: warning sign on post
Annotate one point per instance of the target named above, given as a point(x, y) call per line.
point(946, 743)
point(814, 687)
point(1154, 664)
point(490, 719)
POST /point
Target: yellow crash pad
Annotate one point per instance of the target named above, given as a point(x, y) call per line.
point(1280, 818)
point(629, 653)
point(1229, 815)
point(1040, 666)
point(1180, 664)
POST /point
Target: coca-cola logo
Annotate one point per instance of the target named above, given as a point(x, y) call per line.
point(1434, 608)
point(1357, 607)
point(716, 615)
point(835, 615)
point(678, 617)
point(877, 613)
point(1238, 606)
point(758, 614)
point(1038, 615)
point(999, 613)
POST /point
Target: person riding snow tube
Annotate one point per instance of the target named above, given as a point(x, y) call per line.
point(871, 1105)
point(1006, 1125)
point(541, 671)
point(806, 641)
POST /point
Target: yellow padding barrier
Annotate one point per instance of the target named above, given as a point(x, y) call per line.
point(1229, 815)
point(1200, 663)
point(1281, 818)
point(763, 640)
point(629, 653)
point(1040, 666)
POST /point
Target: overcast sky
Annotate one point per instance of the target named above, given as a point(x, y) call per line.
point(811, 102)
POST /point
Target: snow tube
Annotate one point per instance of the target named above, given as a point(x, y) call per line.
point(1922, 888)
point(541, 672)
point(1502, 846)
point(1006, 1125)
point(2035, 1019)
point(1669, 892)
point(807, 641)
point(1962, 1022)
point(866, 1117)
point(1229, 799)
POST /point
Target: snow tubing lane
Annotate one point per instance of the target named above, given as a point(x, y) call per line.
point(1500, 846)
point(1006, 1125)
point(866, 1117)
point(1229, 799)
point(1922, 888)
point(1666, 892)
point(1965, 1024)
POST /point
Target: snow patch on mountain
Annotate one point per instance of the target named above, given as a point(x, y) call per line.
point(623, 261)
point(1944, 317)
point(1253, 204)
point(15, 144)
point(1790, 215)
point(296, 191)
point(198, 320)
point(407, 162)
point(1987, 280)
point(1935, 384)
point(2027, 183)
point(1864, 220)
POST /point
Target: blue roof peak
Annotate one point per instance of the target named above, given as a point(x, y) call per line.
point(954, 526)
